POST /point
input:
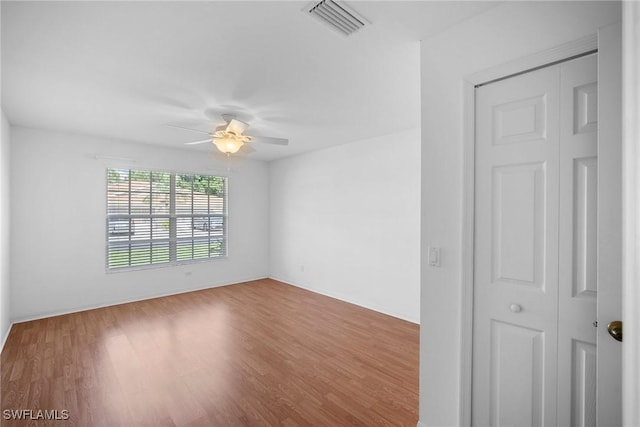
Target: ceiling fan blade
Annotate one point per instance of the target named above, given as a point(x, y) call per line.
point(198, 142)
point(247, 149)
point(182, 127)
point(269, 140)
point(236, 126)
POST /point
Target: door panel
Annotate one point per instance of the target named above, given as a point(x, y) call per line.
point(583, 392)
point(520, 120)
point(516, 251)
point(517, 376)
point(577, 292)
point(585, 180)
point(518, 227)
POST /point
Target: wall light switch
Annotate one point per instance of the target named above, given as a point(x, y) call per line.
point(434, 257)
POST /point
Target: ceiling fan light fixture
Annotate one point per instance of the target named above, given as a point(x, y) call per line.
point(228, 144)
point(229, 138)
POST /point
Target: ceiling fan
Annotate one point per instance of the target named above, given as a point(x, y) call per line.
point(229, 137)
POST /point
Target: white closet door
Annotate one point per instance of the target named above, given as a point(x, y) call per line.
point(578, 243)
point(515, 356)
point(535, 288)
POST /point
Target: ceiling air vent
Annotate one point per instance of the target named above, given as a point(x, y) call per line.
point(339, 16)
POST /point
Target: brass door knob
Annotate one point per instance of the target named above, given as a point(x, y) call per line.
point(615, 329)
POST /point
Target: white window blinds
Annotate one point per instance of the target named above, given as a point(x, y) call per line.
point(161, 217)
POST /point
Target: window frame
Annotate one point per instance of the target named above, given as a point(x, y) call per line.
point(173, 240)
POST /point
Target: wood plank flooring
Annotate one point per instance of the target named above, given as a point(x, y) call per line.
point(259, 353)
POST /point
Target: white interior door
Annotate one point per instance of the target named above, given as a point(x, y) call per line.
point(536, 265)
point(577, 292)
point(516, 251)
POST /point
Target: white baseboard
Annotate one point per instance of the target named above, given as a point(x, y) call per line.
point(349, 300)
point(420, 424)
point(127, 301)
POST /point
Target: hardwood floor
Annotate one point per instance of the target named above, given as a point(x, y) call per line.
point(256, 353)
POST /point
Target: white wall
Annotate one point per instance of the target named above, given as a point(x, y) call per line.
point(58, 213)
point(5, 238)
point(345, 222)
point(504, 33)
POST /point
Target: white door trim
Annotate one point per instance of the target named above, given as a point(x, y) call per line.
point(529, 62)
point(631, 213)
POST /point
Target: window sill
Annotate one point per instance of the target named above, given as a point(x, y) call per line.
point(163, 265)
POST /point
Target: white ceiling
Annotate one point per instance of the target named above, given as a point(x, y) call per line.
point(127, 69)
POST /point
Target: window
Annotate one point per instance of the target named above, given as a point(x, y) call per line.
point(164, 218)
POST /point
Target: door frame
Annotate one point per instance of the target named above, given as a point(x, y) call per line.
point(548, 57)
point(631, 212)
